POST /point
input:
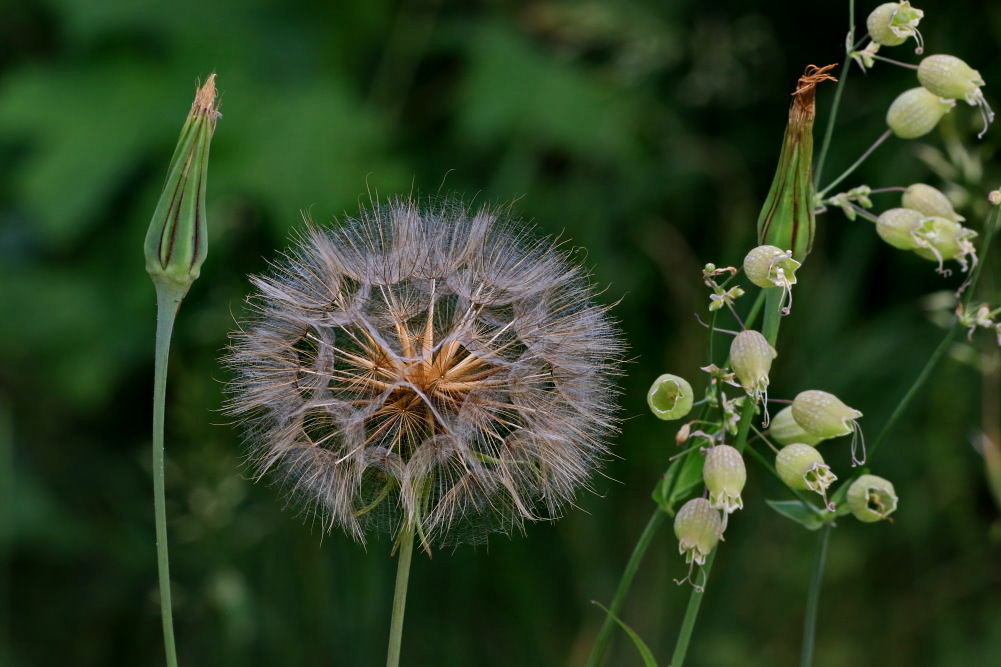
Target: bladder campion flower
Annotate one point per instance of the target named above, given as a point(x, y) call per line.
point(433, 370)
point(916, 112)
point(670, 397)
point(751, 358)
point(871, 498)
point(725, 475)
point(802, 467)
point(892, 23)
point(824, 415)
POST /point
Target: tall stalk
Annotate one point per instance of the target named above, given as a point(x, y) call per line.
point(813, 597)
point(400, 597)
point(166, 312)
point(598, 651)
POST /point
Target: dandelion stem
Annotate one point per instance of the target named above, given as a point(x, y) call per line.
point(400, 596)
point(167, 303)
point(836, 104)
point(598, 651)
point(855, 165)
point(813, 597)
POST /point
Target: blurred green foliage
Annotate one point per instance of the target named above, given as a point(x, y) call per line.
point(644, 131)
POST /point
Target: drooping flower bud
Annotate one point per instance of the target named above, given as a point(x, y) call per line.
point(787, 219)
point(802, 467)
point(929, 201)
point(892, 23)
point(698, 527)
point(176, 242)
point(916, 112)
point(823, 414)
point(751, 358)
point(951, 78)
point(670, 397)
point(785, 430)
point(941, 240)
point(768, 266)
point(871, 498)
point(724, 474)
point(897, 227)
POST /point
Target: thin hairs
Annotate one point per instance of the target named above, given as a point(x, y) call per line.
point(426, 366)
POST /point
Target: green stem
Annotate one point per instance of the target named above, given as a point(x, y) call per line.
point(855, 165)
point(813, 598)
point(598, 651)
point(400, 596)
point(691, 614)
point(167, 304)
point(836, 104)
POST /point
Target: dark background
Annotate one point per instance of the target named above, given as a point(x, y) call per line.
point(647, 132)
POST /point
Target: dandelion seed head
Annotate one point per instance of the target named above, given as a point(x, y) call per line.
point(426, 366)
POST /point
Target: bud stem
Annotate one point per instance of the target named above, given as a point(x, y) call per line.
point(847, 172)
point(167, 306)
point(898, 63)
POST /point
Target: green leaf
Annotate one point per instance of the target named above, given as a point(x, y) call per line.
point(638, 642)
point(802, 513)
point(689, 476)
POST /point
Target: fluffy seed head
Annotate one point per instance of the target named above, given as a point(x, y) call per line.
point(916, 112)
point(871, 498)
point(434, 368)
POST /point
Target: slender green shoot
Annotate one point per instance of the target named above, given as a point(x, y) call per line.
point(166, 312)
point(604, 634)
point(813, 597)
point(855, 165)
point(836, 104)
point(400, 596)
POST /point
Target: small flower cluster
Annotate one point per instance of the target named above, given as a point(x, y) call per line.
point(814, 416)
point(927, 224)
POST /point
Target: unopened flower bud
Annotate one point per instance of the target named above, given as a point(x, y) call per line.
point(897, 227)
point(176, 241)
point(785, 430)
point(916, 112)
point(949, 77)
point(802, 467)
point(871, 498)
point(892, 23)
point(724, 474)
point(824, 415)
point(751, 358)
point(698, 527)
point(768, 266)
point(941, 240)
point(929, 201)
point(670, 397)
point(994, 197)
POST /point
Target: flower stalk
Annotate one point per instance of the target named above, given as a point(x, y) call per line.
point(400, 597)
point(175, 249)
